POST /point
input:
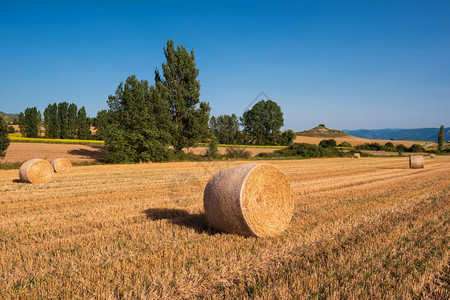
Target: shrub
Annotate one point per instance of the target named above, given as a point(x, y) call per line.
point(212, 151)
point(304, 150)
point(345, 144)
point(11, 129)
point(328, 143)
point(401, 148)
point(416, 148)
point(287, 137)
point(235, 153)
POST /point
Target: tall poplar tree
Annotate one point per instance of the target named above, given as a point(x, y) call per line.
point(63, 108)
point(181, 89)
point(51, 121)
point(30, 122)
point(72, 120)
point(441, 138)
point(83, 127)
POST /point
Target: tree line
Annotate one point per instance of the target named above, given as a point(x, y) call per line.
point(144, 120)
point(61, 121)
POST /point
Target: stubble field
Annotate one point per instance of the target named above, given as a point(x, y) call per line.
point(362, 228)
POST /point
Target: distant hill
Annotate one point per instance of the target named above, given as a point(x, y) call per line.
point(8, 117)
point(322, 131)
point(419, 134)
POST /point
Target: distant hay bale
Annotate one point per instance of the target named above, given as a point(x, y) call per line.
point(357, 155)
point(416, 162)
point(250, 199)
point(432, 155)
point(61, 165)
point(36, 171)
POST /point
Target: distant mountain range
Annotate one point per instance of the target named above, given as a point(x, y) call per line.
point(418, 134)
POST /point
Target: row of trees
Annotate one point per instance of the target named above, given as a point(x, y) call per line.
point(143, 119)
point(261, 126)
point(30, 122)
point(61, 121)
point(64, 121)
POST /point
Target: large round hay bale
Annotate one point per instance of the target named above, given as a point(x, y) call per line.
point(61, 165)
point(432, 155)
point(36, 171)
point(416, 162)
point(251, 200)
point(356, 155)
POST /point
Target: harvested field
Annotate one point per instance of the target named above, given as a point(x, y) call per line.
point(79, 153)
point(362, 228)
point(355, 141)
point(75, 153)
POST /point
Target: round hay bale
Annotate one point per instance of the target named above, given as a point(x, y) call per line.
point(36, 171)
point(357, 155)
point(250, 199)
point(416, 162)
point(61, 165)
point(432, 155)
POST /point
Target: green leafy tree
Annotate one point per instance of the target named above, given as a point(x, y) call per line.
point(416, 148)
point(72, 120)
point(441, 139)
point(263, 121)
point(51, 121)
point(11, 129)
point(30, 122)
point(328, 143)
point(21, 122)
point(226, 128)
point(136, 126)
point(287, 137)
point(389, 145)
point(4, 138)
point(181, 89)
point(82, 124)
point(213, 150)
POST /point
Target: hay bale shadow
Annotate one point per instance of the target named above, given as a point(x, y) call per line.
point(89, 154)
point(182, 218)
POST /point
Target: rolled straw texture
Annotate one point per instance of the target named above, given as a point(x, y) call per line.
point(432, 155)
point(356, 155)
point(61, 165)
point(250, 199)
point(416, 162)
point(36, 171)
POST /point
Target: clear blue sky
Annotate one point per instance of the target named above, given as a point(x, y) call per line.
point(348, 64)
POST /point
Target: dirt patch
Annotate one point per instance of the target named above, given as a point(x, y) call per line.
point(25, 151)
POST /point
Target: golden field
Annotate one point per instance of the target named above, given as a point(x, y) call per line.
point(362, 228)
point(354, 141)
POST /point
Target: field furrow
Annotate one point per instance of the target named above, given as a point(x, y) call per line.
point(361, 228)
